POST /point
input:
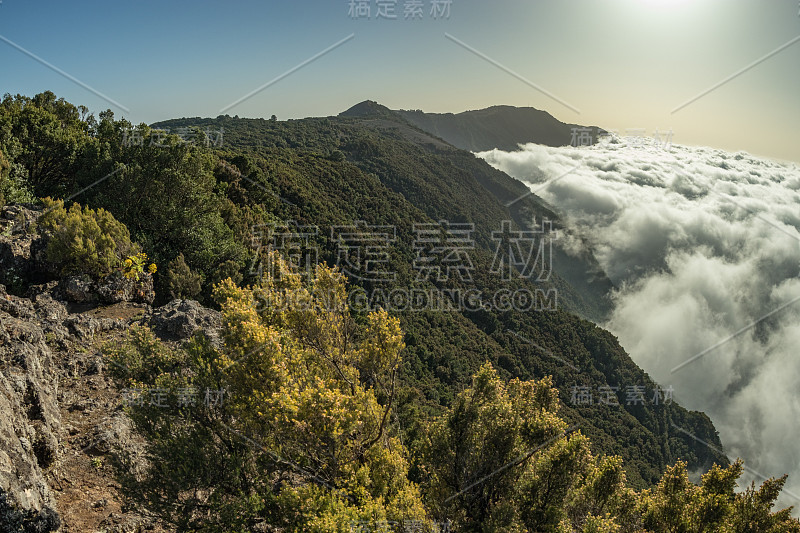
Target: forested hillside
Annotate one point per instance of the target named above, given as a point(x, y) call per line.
point(490, 413)
point(391, 173)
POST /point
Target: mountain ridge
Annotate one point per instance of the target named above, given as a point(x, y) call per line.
point(503, 127)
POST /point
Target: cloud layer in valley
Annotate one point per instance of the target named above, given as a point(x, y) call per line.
point(704, 246)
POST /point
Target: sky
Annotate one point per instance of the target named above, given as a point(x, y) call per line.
point(620, 64)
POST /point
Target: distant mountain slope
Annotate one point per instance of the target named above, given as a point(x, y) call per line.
point(444, 182)
point(589, 287)
point(502, 127)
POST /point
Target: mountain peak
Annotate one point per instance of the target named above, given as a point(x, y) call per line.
point(367, 108)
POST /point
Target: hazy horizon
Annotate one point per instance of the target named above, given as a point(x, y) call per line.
point(620, 64)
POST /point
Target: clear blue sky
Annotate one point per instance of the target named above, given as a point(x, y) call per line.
point(623, 64)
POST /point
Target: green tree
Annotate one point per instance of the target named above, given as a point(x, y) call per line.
point(676, 504)
point(5, 167)
point(303, 439)
point(182, 282)
point(500, 459)
point(46, 138)
point(167, 195)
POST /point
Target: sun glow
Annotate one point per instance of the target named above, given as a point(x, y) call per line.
point(665, 3)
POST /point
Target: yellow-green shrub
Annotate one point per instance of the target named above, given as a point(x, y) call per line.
point(84, 241)
point(303, 440)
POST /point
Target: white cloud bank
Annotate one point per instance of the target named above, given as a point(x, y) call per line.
point(703, 244)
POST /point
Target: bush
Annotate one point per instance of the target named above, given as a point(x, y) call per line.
point(4, 169)
point(182, 282)
point(13, 185)
point(84, 240)
point(142, 357)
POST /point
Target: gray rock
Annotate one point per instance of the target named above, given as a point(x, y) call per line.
point(41, 288)
point(21, 249)
point(112, 289)
point(20, 520)
point(117, 288)
point(116, 435)
point(79, 289)
point(17, 307)
point(48, 309)
point(30, 329)
point(30, 419)
point(180, 319)
point(10, 212)
point(83, 327)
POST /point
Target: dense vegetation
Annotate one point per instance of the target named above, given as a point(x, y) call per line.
point(85, 241)
point(197, 211)
point(393, 174)
point(307, 440)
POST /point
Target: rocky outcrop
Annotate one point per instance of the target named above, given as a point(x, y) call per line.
point(59, 411)
point(21, 248)
point(37, 340)
point(13, 519)
point(30, 419)
point(112, 289)
point(180, 319)
point(23, 264)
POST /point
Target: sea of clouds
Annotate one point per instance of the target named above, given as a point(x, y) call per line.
point(704, 247)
